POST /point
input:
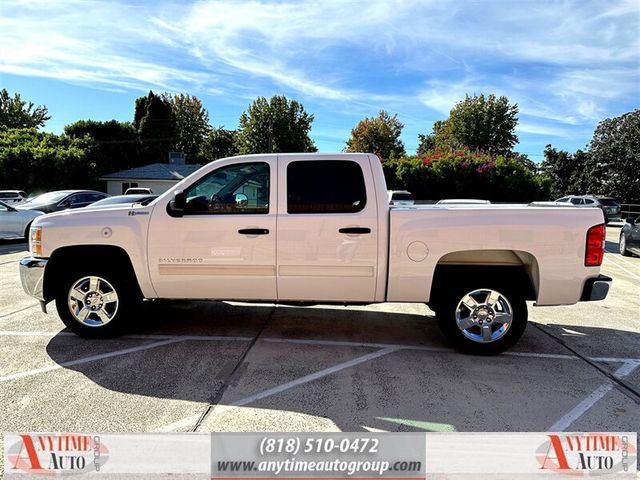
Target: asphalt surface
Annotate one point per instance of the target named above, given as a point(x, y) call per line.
point(220, 366)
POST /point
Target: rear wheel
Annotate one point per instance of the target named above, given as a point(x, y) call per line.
point(623, 246)
point(95, 303)
point(483, 317)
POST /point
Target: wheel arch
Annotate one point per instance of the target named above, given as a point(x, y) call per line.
point(517, 266)
point(65, 259)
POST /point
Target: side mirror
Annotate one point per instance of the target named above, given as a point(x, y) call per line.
point(177, 206)
point(65, 204)
point(241, 200)
point(632, 220)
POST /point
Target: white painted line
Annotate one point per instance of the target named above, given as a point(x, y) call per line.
point(185, 422)
point(281, 388)
point(336, 343)
point(581, 408)
point(624, 269)
point(92, 358)
point(313, 376)
point(623, 259)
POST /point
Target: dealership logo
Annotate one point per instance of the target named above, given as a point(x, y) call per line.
point(587, 454)
point(57, 454)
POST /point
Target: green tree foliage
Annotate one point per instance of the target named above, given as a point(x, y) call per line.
point(115, 145)
point(219, 143)
point(275, 125)
point(615, 154)
point(34, 161)
point(17, 113)
point(426, 144)
point(467, 174)
point(379, 135)
point(191, 125)
point(155, 123)
point(567, 172)
point(479, 123)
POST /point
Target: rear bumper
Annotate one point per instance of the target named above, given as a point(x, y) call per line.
point(32, 276)
point(596, 288)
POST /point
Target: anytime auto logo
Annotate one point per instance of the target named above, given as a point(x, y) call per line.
point(587, 454)
point(57, 454)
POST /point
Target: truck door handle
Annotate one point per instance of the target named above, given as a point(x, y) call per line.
point(253, 231)
point(355, 230)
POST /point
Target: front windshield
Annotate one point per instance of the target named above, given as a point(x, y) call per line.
point(49, 197)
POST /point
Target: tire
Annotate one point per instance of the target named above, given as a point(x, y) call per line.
point(102, 296)
point(622, 245)
point(26, 231)
point(500, 318)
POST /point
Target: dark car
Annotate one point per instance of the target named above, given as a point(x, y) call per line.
point(609, 206)
point(630, 237)
point(62, 200)
point(123, 199)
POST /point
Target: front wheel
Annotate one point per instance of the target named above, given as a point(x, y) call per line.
point(483, 321)
point(94, 304)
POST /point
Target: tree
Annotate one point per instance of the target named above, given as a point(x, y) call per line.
point(191, 125)
point(219, 143)
point(35, 161)
point(115, 144)
point(482, 124)
point(379, 135)
point(275, 125)
point(426, 144)
point(155, 124)
point(615, 154)
point(567, 172)
point(17, 113)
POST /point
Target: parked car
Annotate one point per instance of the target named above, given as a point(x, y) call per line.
point(123, 199)
point(267, 228)
point(62, 200)
point(630, 237)
point(400, 198)
point(609, 206)
point(12, 196)
point(138, 191)
point(15, 223)
point(462, 201)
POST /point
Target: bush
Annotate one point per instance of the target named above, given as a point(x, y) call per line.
point(466, 174)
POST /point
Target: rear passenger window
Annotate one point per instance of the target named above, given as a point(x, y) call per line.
point(325, 186)
point(576, 201)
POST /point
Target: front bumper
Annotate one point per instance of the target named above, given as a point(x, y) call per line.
point(32, 276)
point(596, 288)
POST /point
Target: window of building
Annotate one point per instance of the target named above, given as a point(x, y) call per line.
point(127, 185)
point(325, 186)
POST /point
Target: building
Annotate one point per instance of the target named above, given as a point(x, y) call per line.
point(159, 177)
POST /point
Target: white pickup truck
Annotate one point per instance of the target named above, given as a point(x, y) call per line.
point(315, 228)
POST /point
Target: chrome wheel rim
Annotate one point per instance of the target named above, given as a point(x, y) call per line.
point(484, 315)
point(623, 244)
point(93, 301)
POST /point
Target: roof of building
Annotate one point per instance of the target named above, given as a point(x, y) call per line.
point(155, 171)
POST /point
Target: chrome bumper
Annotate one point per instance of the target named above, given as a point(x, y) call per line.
point(596, 288)
point(32, 276)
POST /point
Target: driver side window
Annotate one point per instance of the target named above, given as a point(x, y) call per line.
point(235, 189)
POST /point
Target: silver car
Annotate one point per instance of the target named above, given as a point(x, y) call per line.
point(15, 223)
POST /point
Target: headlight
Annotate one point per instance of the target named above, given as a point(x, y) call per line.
point(35, 241)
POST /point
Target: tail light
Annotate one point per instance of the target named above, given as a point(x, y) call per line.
point(595, 246)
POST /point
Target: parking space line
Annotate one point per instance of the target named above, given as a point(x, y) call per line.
point(623, 268)
point(4, 315)
point(581, 408)
point(92, 358)
point(283, 387)
point(336, 343)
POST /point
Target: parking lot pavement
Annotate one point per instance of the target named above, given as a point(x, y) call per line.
point(225, 366)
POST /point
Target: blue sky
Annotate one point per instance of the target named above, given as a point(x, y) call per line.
point(567, 64)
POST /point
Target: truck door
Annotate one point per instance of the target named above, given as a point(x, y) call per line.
point(327, 229)
point(224, 246)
